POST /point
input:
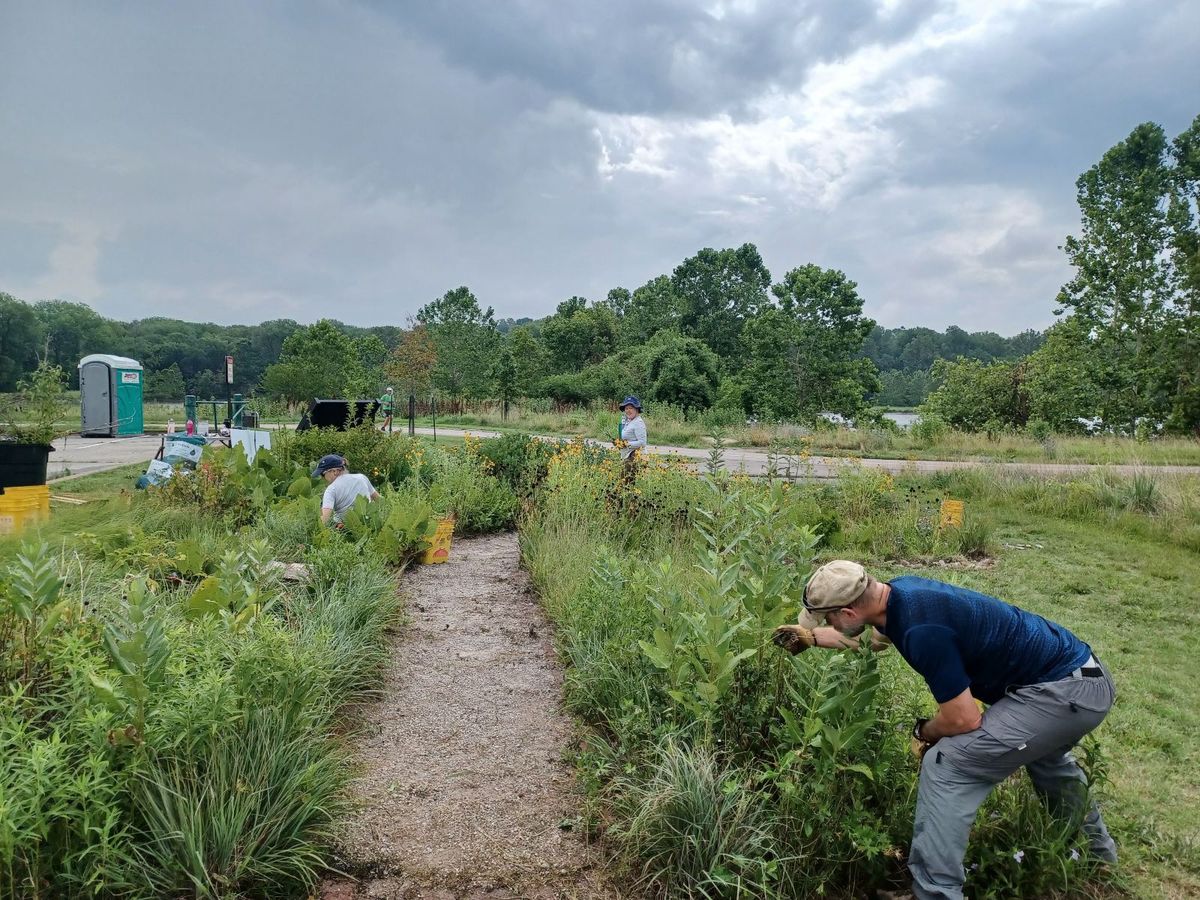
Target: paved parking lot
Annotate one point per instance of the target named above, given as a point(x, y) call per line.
point(75, 455)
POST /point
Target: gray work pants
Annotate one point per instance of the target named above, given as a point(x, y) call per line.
point(1034, 726)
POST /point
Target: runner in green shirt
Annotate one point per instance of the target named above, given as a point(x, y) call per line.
point(385, 405)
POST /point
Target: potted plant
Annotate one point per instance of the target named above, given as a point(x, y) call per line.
point(29, 426)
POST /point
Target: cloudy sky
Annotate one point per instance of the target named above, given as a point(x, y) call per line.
point(234, 161)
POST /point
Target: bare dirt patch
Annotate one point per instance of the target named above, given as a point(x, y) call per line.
point(463, 788)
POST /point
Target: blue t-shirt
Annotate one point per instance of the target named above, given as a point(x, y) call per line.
point(956, 638)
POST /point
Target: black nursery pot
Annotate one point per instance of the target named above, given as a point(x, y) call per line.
point(23, 465)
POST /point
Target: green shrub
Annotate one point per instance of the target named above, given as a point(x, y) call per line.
point(384, 458)
point(1039, 429)
point(521, 461)
point(479, 502)
point(930, 428)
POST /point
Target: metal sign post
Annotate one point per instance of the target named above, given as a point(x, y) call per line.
point(228, 390)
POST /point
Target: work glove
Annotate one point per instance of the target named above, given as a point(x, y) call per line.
point(794, 638)
point(919, 745)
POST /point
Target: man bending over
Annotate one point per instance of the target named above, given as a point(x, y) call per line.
point(343, 488)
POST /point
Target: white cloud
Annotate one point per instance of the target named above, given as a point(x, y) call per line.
point(71, 269)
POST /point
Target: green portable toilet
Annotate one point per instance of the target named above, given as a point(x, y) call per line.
point(110, 396)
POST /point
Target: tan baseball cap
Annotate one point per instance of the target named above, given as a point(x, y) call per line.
point(834, 586)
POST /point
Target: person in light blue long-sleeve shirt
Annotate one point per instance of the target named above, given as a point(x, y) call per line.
point(633, 428)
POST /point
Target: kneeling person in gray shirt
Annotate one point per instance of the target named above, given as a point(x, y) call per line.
point(344, 488)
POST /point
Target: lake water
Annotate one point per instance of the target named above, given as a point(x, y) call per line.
point(902, 419)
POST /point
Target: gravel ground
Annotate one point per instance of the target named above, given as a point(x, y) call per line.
point(463, 789)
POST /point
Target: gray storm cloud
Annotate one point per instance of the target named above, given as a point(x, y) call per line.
point(238, 162)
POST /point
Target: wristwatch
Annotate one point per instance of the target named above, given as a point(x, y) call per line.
point(916, 732)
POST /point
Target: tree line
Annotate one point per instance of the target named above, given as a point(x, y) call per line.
point(715, 331)
point(720, 332)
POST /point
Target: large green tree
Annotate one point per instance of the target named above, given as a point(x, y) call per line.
point(467, 343)
point(531, 359)
point(578, 335)
point(974, 395)
point(1183, 326)
point(650, 309)
point(718, 292)
point(73, 330)
point(21, 337)
point(804, 354)
point(682, 370)
point(166, 385)
point(1062, 377)
point(412, 364)
point(1123, 284)
point(320, 361)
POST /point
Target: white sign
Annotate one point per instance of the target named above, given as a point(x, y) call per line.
point(131, 377)
point(182, 450)
point(229, 370)
point(250, 440)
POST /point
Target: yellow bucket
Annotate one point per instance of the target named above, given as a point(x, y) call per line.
point(439, 549)
point(20, 508)
point(37, 496)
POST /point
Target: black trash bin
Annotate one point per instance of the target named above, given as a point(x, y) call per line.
point(23, 465)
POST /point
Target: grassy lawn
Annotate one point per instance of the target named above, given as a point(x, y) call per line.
point(1133, 597)
point(98, 484)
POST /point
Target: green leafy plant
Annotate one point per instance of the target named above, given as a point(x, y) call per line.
point(137, 647)
point(30, 607)
point(520, 461)
point(751, 564)
point(239, 590)
point(32, 416)
point(397, 528)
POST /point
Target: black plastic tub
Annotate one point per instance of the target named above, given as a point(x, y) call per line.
point(23, 465)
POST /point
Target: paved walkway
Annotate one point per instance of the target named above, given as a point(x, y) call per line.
point(757, 462)
point(83, 456)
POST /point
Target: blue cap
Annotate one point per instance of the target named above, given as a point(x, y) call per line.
point(328, 461)
point(631, 401)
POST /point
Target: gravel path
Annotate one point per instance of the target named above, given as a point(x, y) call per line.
point(464, 790)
